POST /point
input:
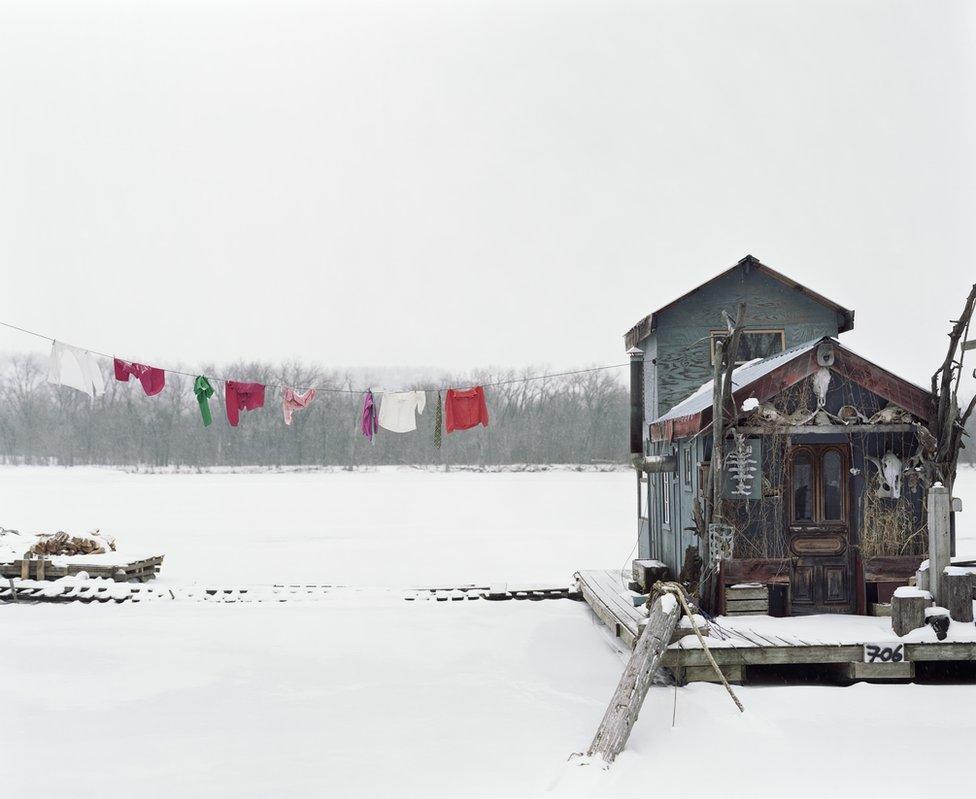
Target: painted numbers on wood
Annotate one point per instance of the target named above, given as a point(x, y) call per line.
point(884, 653)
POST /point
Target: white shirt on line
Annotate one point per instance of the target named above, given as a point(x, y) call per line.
point(75, 368)
point(399, 409)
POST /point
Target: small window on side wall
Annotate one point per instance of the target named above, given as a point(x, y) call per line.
point(686, 466)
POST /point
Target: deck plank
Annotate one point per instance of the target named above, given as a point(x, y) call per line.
point(601, 589)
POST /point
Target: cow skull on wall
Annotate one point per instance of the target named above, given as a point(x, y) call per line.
point(890, 469)
point(821, 382)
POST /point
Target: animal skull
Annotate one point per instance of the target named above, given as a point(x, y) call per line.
point(890, 414)
point(890, 470)
point(848, 414)
point(821, 382)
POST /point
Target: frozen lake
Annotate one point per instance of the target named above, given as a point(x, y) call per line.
point(389, 527)
point(363, 694)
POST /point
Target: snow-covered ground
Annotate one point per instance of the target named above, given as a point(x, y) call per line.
point(363, 694)
point(394, 526)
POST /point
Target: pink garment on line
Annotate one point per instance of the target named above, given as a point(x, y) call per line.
point(291, 401)
point(369, 422)
point(242, 397)
point(152, 378)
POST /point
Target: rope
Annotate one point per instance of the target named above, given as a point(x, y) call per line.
point(676, 589)
point(335, 390)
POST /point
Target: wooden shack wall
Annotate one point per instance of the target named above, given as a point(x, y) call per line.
point(667, 542)
point(860, 444)
point(682, 345)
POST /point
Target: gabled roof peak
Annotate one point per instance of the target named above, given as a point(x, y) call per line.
point(767, 377)
point(648, 324)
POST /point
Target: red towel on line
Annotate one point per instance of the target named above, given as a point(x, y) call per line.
point(242, 397)
point(465, 408)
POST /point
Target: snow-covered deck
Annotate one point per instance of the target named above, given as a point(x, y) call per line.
point(740, 641)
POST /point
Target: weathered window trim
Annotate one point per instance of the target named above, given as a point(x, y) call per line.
point(715, 334)
point(686, 466)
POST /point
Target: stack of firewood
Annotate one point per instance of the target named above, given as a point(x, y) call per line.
point(61, 543)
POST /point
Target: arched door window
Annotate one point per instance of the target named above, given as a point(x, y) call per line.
point(818, 485)
point(832, 478)
point(803, 487)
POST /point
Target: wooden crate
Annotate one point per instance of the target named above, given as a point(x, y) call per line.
point(747, 599)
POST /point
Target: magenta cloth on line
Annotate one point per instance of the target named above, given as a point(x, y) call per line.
point(152, 378)
point(369, 423)
point(242, 397)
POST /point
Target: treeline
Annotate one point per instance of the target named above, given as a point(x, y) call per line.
point(578, 418)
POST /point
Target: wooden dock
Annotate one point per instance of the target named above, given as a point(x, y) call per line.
point(107, 590)
point(743, 642)
point(495, 592)
point(606, 592)
point(140, 570)
point(15, 589)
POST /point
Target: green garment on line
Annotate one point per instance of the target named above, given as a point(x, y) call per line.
point(438, 421)
point(204, 391)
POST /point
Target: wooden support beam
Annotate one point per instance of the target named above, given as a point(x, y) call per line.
point(939, 504)
point(619, 719)
point(908, 610)
point(957, 587)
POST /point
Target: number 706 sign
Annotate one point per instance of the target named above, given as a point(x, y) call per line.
point(884, 653)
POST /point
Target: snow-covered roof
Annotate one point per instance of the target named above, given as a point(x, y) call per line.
point(765, 378)
point(741, 376)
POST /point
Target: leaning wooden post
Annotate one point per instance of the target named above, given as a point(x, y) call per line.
point(940, 504)
point(619, 719)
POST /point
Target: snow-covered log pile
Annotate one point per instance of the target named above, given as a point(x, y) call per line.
point(61, 543)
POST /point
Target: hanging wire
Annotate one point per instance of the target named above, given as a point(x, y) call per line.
point(333, 389)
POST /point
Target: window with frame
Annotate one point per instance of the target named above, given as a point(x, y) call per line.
point(818, 486)
point(752, 344)
point(686, 466)
point(666, 499)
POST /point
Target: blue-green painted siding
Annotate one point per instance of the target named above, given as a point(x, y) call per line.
point(681, 340)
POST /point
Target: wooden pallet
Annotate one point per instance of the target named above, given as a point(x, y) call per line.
point(42, 569)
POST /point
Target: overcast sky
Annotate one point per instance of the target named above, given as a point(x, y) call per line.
point(466, 184)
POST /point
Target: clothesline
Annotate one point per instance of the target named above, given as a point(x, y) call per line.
point(334, 389)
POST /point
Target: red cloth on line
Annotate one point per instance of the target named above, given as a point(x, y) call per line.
point(152, 378)
point(465, 408)
point(242, 397)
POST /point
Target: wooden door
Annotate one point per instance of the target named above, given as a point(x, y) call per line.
point(818, 525)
